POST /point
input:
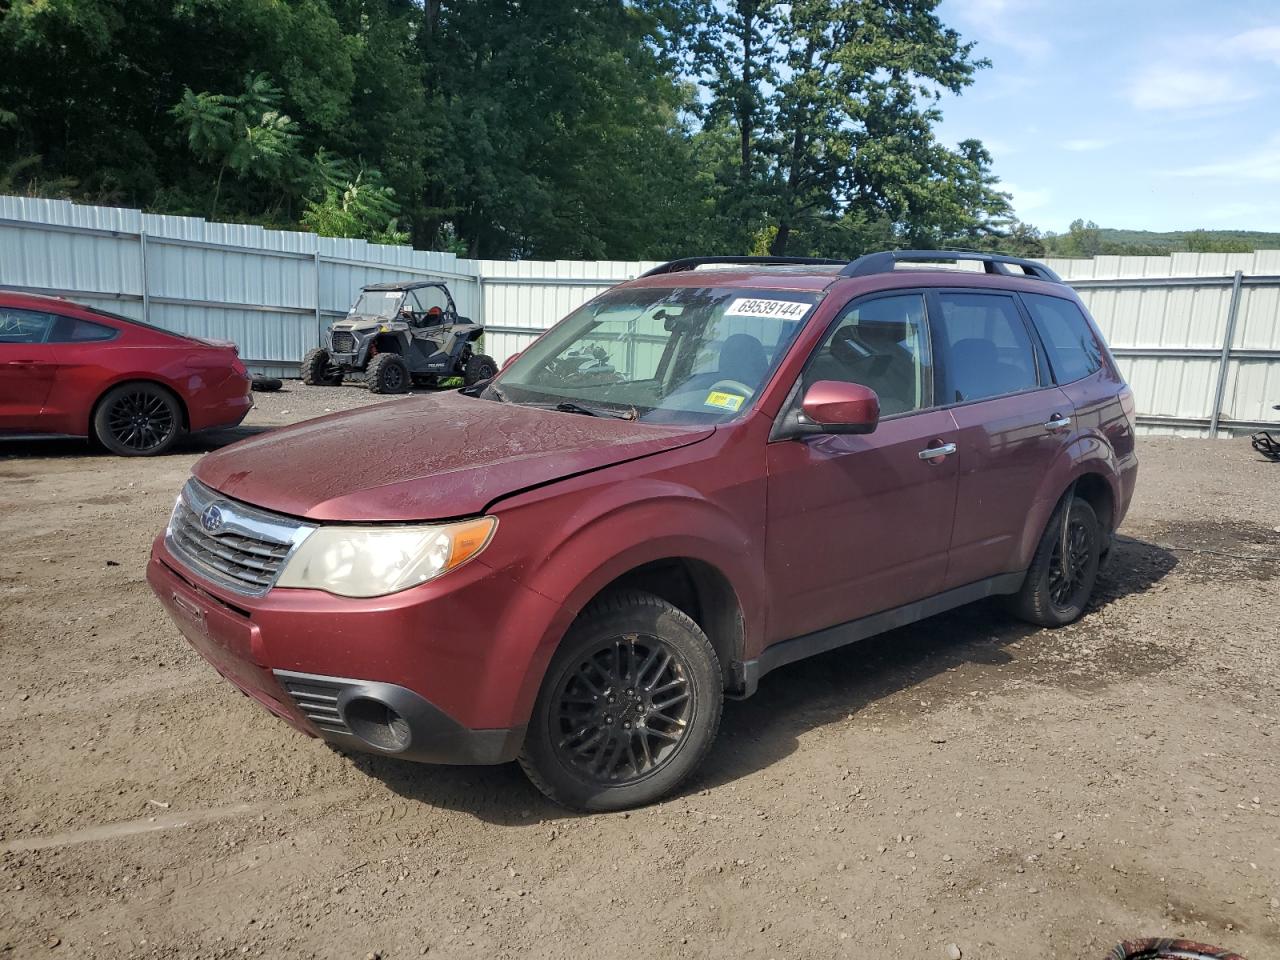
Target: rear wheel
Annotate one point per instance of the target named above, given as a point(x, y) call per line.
point(387, 373)
point(629, 706)
point(137, 420)
point(1060, 582)
point(317, 370)
point(479, 367)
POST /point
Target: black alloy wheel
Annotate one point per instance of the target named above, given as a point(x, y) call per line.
point(628, 708)
point(1064, 568)
point(137, 419)
point(1067, 573)
point(623, 712)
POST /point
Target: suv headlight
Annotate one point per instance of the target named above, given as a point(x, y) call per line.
point(376, 561)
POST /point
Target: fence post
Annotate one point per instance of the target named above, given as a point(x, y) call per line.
point(1233, 310)
point(316, 263)
point(142, 264)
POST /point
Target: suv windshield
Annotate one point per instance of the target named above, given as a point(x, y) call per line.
point(671, 355)
point(384, 304)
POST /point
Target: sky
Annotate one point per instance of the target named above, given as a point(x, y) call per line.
point(1137, 114)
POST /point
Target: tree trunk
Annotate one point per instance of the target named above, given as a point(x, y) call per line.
point(217, 189)
point(746, 93)
point(779, 246)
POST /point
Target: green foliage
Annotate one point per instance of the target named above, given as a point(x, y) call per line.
point(563, 128)
point(352, 205)
point(1087, 239)
point(244, 133)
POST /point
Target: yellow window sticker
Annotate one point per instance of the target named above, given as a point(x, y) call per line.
point(725, 401)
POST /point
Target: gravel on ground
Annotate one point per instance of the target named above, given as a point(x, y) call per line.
point(967, 786)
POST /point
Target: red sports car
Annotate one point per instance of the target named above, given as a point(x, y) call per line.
point(75, 371)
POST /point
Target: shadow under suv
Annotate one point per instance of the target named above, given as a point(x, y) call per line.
point(701, 475)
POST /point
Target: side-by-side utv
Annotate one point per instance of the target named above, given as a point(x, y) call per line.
point(399, 335)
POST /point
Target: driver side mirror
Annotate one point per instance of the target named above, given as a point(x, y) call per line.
point(835, 406)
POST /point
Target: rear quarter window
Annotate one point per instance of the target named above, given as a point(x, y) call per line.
point(1074, 351)
point(75, 330)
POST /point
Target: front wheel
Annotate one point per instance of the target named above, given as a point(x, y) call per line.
point(479, 367)
point(137, 420)
point(629, 706)
point(317, 370)
point(387, 373)
point(1060, 582)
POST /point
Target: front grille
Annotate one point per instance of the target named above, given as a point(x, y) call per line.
point(317, 700)
point(240, 547)
point(342, 342)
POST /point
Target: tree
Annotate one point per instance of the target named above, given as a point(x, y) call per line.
point(351, 204)
point(561, 128)
point(245, 133)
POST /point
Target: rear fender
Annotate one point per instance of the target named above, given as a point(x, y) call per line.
point(1086, 453)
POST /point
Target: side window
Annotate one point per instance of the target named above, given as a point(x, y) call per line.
point(74, 330)
point(1073, 349)
point(882, 344)
point(24, 326)
point(428, 298)
point(988, 348)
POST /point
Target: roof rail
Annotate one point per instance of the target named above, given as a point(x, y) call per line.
point(885, 260)
point(690, 263)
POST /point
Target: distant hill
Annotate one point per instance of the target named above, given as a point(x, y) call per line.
point(1089, 240)
point(1175, 240)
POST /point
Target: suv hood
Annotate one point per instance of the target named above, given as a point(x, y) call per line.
point(424, 458)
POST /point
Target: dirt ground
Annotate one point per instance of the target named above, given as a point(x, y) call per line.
point(968, 781)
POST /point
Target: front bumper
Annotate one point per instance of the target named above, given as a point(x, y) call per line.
point(387, 718)
point(456, 668)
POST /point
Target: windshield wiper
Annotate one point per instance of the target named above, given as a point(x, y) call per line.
point(568, 406)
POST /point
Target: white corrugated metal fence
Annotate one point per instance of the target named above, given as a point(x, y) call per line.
point(1197, 335)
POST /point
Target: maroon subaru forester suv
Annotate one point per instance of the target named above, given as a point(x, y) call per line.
point(699, 476)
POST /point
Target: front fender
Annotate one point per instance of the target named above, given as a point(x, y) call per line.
point(610, 530)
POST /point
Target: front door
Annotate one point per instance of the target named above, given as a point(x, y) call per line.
point(1013, 424)
point(861, 524)
point(27, 367)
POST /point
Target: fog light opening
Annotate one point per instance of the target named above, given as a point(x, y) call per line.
point(376, 723)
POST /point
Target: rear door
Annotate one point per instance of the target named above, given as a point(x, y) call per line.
point(27, 368)
point(861, 524)
point(1013, 426)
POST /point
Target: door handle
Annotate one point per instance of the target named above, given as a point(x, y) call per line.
point(1057, 422)
point(932, 453)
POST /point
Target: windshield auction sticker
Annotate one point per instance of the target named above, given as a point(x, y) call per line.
point(779, 309)
point(725, 401)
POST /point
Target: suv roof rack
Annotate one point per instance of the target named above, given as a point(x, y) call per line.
point(885, 260)
point(691, 263)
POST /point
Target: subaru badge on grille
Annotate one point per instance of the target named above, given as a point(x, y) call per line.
point(211, 519)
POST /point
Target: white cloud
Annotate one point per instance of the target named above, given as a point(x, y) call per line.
point(1084, 145)
point(1263, 43)
point(1027, 199)
point(1003, 23)
point(1261, 164)
point(1170, 87)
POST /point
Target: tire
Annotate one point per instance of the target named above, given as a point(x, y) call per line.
point(647, 744)
point(387, 373)
point(267, 384)
point(317, 371)
point(1044, 599)
point(137, 420)
point(479, 367)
